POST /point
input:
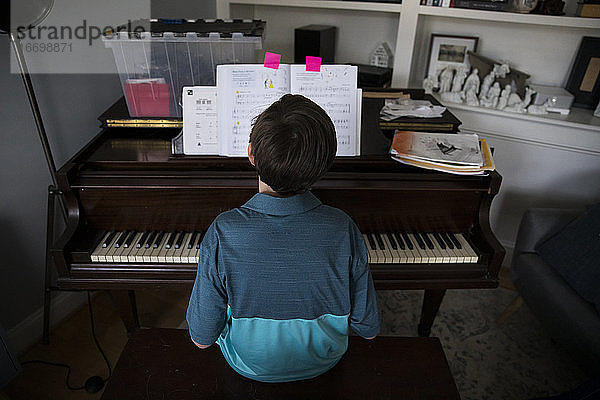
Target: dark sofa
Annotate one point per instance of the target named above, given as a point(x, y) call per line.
point(570, 320)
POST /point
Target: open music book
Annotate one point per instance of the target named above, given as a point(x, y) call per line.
point(243, 91)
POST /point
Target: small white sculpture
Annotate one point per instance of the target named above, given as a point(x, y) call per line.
point(520, 107)
point(538, 109)
point(472, 81)
point(459, 78)
point(382, 56)
point(453, 97)
point(487, 83)
point(471, 97)
point(528, 93)
point(500, 70)
point(493, 94)
point(503, 100)
point(446, 79)
point(429, 83)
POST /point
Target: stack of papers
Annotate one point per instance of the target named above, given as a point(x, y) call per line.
point(395, 108)
point(462, 154)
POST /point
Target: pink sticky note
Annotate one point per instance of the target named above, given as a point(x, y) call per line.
point(313, 63)
point(272, 60)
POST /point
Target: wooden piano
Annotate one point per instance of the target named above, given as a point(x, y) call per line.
point(125, 185)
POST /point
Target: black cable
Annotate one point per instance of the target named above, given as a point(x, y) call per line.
point(96, 339)
point(68, 367)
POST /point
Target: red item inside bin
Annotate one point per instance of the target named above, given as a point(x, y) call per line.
point(147, 99)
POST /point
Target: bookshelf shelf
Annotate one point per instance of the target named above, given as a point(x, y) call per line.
point(326, 4)
point(509, 17)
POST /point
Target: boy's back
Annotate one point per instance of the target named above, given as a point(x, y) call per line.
point(286, 267)
point(282, 279)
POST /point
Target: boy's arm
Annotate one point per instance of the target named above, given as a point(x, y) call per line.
point(364, 314)
point(207, 310)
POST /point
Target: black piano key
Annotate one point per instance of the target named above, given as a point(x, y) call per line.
point(192, 240)
point(392, 241)
point(379, 241)
point(129, 239)
point(371, 241)
point(447, 240)
point(455, 241)
point(158, 239)
point(109, 239)
point(420, 241)
point(171, 239)
point(439, 239)
point(407, 240)
point(150, 239)
point(179, 240)
point(121, 239)
point(427, 241)
point(399, 241)
point(142, 240)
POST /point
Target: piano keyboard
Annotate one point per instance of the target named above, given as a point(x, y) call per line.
point(417, 248)
point(148, 247)
point(184, 248)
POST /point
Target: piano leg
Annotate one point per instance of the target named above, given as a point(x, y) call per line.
point(431, 304)
point(124, 301)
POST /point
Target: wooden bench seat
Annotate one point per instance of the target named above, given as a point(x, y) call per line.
point(165, 364)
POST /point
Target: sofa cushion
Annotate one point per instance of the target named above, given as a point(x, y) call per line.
point(574, 253)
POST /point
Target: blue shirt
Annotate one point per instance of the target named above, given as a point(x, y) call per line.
point(280, 282)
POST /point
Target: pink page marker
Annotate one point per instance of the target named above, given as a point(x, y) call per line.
point(272, 60)
point(313, 63)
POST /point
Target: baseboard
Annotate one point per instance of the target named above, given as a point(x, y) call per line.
point(29, 331)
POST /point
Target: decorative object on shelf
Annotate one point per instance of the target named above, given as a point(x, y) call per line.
point(538, 109)
point(503, 100)
point(382, 56)
point(429, 84)
point(449, 51)
point(555, 98)
point(459, 78)
point(584, 79)
point(504, 75)
point(471, 97)
point(472, 82)
point(549, 7)
point(520, 106)
point(446, 80)
point(453, 97)
point(487, 83)
point(523, 6)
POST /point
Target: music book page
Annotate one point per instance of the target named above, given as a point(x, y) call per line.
point(246, 90)
point(200, 133)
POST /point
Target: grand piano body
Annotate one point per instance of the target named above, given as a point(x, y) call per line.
point(126, 179)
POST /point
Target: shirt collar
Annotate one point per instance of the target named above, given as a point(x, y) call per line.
point(271, 205)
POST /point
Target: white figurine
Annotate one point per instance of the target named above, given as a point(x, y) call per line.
point(500, 70)
point(487, 83)
point(471, 97)
point(453, 97)
point(446, 79)
point(459, 78)
point(503, 100)
point(472, 81)
point(493, 94)
point(429, 83)
point(529, 92)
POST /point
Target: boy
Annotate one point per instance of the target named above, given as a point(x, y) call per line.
point(283, 278)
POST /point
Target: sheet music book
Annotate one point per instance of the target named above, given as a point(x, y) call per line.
point(245, 90)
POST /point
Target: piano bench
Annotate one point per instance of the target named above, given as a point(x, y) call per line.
point(164, 363)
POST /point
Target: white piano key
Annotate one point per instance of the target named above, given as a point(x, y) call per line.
point(113, 249)
point(98, 249)
point(418, 253)
point(472, 257)
point(441, 255)
point(133, 249)
point(394, 252)
point(406, 252)
point(178, 254)
point(156, 250)
point(372, 255)
point(384, 250)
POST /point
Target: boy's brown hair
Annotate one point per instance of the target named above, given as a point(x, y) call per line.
point(293, 144)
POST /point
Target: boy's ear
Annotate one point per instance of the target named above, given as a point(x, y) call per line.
point(250, 155)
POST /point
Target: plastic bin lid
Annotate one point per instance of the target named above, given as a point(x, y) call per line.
point(202, 27)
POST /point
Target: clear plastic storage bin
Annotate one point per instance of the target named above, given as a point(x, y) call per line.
point(156, 64)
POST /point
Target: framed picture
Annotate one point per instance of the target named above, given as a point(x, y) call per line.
point(447, 50)
point(584, 79)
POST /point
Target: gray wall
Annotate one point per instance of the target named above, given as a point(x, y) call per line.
point(70, 105)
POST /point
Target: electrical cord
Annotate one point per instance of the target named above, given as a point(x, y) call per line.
point(94, 383)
